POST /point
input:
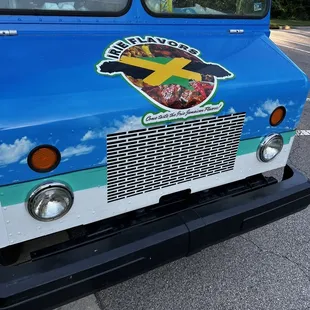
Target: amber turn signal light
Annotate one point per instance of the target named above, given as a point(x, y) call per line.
point(277, 116)
point(44, 158)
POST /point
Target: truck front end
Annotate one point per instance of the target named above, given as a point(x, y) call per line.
point(140, 133)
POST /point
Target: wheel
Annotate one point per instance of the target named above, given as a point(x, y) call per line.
point(9, 255)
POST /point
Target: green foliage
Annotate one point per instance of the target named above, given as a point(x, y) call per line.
point(227, 6)
point(291, 9)
point(281, 9)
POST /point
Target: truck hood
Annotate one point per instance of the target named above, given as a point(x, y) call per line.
point(70, 90)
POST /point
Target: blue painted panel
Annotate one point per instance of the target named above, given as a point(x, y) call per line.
point(51, 92)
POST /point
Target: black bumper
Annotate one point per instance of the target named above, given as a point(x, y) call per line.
point(72, 271)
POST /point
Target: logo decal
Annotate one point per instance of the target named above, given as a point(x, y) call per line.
point(169, 73)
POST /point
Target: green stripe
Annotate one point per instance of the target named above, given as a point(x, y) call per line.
point(17, 193)
point(251, 145)
point(85, 179)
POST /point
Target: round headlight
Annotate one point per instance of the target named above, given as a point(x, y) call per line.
point(50, 201)
point(270, 147)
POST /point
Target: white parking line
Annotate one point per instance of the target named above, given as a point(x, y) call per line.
point(293, 48)
point(285, 34)
point(299, 31)
point(302, 132)
point(293, 42)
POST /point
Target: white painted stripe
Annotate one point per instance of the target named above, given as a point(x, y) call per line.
point(302, 132)
point(91, 205)
point(294, 48)
point(293, 42)
point(3, 232)
point(290, 35)
point(298, 31)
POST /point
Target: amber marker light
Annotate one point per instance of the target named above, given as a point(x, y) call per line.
point(277, 116)
point(44, 158)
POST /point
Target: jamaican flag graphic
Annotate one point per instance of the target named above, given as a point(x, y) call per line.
point(172, 77)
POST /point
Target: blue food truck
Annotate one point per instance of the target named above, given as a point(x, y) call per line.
point(135, 132)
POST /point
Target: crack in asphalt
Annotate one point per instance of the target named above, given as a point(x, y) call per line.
point(294, 166)
point(293, 152)
point(99, 302)
point(299, 266)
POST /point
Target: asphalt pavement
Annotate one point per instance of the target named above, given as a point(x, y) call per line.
point(268, 268)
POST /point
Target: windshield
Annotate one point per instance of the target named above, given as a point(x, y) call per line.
point(114, 7)
point(237, 8)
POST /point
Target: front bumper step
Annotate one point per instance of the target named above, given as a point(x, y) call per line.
point(181, 228)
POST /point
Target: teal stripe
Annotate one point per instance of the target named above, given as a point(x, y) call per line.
point(85, 179)
point(251, 145)
point(17, 193)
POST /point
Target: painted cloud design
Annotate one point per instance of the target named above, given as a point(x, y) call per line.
point(248, 118)
point(91, 134)
point(270, 105)
point(267, 108)
point(231, 111)
point(23, 161)
point(128, 123)
point(12, 153)
point(103, 162)
point(260, 113)
point(78, 150)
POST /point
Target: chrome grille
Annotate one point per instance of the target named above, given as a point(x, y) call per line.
point(145, 160)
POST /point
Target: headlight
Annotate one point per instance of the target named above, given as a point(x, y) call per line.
point(50, 201)
point(270, 147)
